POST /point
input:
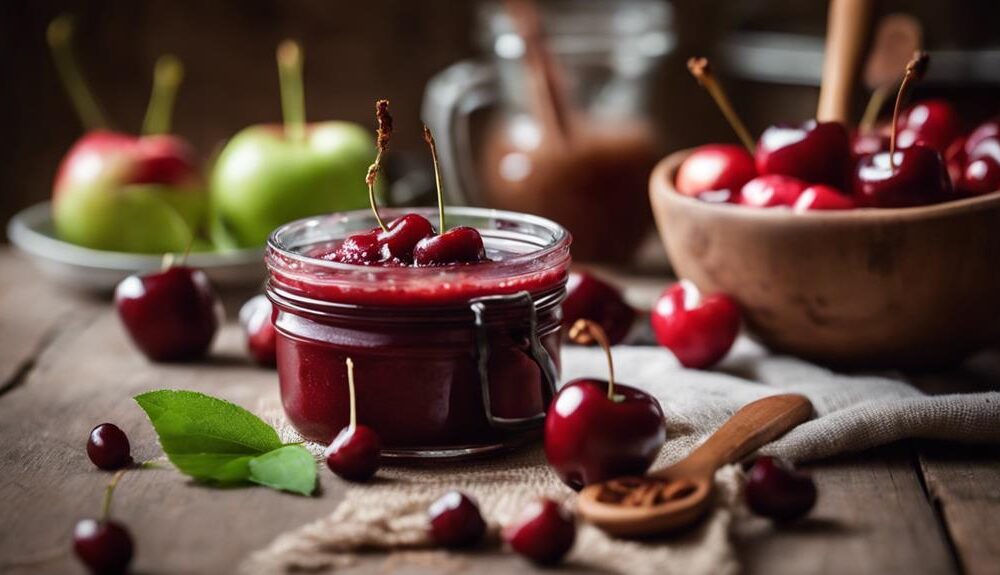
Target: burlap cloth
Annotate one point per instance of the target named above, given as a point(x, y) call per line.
point(852, 413)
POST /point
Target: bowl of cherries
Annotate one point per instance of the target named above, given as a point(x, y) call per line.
point(850, 248)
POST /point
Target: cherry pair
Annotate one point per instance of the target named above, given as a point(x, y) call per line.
point(409, 239)
point(544, 531)
point(104, 545)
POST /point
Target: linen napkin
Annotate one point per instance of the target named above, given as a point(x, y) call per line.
point(852, 413)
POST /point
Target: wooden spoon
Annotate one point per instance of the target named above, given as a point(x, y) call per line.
point(676, 496)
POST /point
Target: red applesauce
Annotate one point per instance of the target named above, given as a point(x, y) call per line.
point(449, 361)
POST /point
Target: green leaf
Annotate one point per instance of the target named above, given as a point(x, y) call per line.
point(290, 468)
point(205, 437)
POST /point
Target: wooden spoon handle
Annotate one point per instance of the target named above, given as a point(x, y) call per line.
point(847, 25)
point(753, 426)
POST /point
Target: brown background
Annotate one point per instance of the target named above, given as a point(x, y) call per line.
point(355, 52)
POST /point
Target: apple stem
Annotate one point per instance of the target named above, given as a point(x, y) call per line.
point(167, 77)
point(383, 133)
point(293, 103)
point(108, 492)
point(59, 37)
point(350, 391)
point(915, 70)
point(586, 332)
point(429, 138)
point(702, 71)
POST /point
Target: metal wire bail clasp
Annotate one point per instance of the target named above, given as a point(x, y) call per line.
point(538, 353)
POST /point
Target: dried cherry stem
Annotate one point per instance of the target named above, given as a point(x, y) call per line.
point(167, 77)
point(293, 103)
point(60, 37)
point(350, 391)
point(429, 138)
point(915, 70)
point(586, 332)
point(875, 104)
point(108, 492)
point(383, 133)
point(702, 71)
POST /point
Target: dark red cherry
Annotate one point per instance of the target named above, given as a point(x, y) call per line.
point(777, 491)
point(255, 317)
point(988, 129)
point(108, 447)
point(815, 152)
point(771, 191)
point(590, 437)
point(698, 329)
point(402, 237)
point(358, 249)
point(915, 176)
point(981, 175)
point(171, 315)
point(932, 123)
point(102, 546)
point(715, 168)
point(543, 533)
point(461, 245)
point(455, 521)
point(820, 197)
point(587, 297)
point(955, 159)
point(355, 454)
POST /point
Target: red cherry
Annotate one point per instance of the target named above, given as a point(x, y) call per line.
point(815, 152)
point(955, 159)
point(455, 521)
point(103, 546)
point(714, 168)
point(255, 317)
point(356, 452)
point(915, 176)
point(698, 330)
point(587, 297)
point(981, 176)
point(108, 447)
point(544, 532)
point(932, 123)
point(171, 315)
point(461, 245)
point(771, 191)
point(358, 249)
point(402, 236)
point(820, 197)
point(777, 491)
point(988, 129)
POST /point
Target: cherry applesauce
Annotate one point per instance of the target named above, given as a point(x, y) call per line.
point(449, 361)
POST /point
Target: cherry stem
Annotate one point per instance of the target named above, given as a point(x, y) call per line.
point(915, 69)
point(429, 138)
point(167, 77)
point(108, 492)
point(586, 332)
point(383, 133)
point(350, 391)
point(59, 37)
point(875, 104)
point(702, 71)
point(293, 103)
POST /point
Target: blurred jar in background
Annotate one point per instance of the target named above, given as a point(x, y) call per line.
point(557, 121)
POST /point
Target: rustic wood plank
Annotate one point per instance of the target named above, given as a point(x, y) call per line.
point(966, 488)
point(871, 517)
point(32, 311)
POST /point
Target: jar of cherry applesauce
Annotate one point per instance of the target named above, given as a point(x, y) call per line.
point(449, 361)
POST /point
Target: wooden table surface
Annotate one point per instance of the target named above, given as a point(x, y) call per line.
point(65, 365)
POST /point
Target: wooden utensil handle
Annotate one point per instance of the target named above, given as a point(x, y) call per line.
point(846, 28)
point(753, 426)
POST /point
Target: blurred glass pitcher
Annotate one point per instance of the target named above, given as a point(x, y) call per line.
point(558, 121)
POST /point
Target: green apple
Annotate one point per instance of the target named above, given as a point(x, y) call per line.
point(269, 175)
point(262, 179)
point(119, 192)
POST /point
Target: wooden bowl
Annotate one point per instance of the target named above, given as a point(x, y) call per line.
point(912, 288)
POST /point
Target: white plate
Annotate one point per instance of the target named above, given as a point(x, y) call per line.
point(86, 269)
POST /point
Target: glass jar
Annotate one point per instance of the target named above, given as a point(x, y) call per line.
point(449, 361)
